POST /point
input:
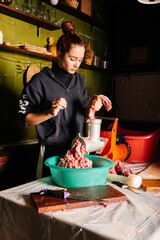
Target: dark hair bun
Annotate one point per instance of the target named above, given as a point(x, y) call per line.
point(68, 27)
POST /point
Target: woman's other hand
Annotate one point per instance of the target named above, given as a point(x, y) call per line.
point(96, 103)
point(57, 105)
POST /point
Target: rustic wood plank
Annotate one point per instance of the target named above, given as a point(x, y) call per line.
point(151, 185)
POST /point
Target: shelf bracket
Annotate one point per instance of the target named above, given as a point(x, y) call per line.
point(38, 31)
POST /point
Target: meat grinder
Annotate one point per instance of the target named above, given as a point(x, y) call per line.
point(92, 142)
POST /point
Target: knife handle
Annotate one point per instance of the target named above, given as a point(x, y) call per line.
point(54, 193)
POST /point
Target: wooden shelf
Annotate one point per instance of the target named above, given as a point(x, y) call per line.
point(9, 11)
point(27, 18)
point(95, 68)
point(44, 56)
point(77, 13)
point(23, 51)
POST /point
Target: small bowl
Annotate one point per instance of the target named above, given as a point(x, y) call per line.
point(76, 178)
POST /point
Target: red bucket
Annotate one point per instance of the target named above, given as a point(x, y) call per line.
point(143, 144)
point(4, 157)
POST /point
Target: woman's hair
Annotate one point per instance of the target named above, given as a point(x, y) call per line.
point(69, 37)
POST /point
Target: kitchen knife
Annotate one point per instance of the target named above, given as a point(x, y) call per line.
point(66, 195)
point(119, 184)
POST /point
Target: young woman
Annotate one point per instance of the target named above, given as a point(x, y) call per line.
point(55, 100)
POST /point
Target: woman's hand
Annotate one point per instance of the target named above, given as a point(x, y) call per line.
point(96, 103)
point(57, 105)
point(37, 118)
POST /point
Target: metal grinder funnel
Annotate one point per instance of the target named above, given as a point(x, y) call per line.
point(93, 128)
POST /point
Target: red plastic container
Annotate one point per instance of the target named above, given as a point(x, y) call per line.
point(143, 144)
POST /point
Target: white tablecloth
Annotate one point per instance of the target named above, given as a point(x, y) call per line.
point(135, 219)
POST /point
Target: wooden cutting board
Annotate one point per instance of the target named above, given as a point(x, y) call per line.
point(151, 185)
point(99, 195)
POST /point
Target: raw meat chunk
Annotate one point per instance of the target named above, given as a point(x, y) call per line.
point(106, 102)
point(74, 157)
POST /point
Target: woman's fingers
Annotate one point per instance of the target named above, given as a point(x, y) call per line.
point(60, 103)
point(57, 105)
point(96, 103)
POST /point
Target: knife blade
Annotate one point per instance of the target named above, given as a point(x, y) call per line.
point(85, 198)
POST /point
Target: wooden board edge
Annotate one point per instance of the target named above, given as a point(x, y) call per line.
point(117, 199)
point(150, 189)
point(68, 206)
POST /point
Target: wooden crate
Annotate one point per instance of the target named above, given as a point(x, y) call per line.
point(86, 7)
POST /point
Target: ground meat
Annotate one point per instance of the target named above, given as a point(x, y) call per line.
point(119, 168)
point(74, 157)
point(106, 102)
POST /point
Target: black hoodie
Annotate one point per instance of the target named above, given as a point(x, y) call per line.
point(38, 95)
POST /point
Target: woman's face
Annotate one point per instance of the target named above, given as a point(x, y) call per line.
point(71, 61)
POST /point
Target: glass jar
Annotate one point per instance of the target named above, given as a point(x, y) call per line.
point(42, 12)
point(16, 5)
point(34, 8)
point(6, 2)
point(52, 15)
point(26, 7)
point(96, 60)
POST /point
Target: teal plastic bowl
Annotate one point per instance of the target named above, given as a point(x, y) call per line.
point(76, 178)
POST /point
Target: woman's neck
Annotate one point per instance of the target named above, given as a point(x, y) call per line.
point(61, 74)
point(60, 71)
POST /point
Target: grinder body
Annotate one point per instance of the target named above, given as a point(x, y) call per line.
point(92, 142)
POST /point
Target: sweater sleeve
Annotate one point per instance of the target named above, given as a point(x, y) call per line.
point(28, 103)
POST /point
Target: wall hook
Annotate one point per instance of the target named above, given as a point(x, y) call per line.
point(38, 31)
